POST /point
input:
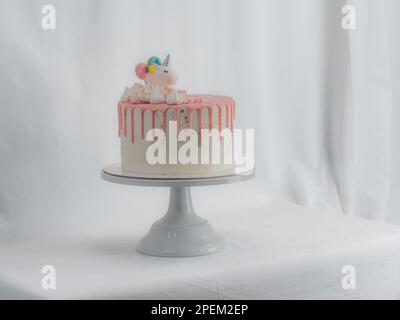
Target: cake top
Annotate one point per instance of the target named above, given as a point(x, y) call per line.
point(158, 79)
point(196, 101)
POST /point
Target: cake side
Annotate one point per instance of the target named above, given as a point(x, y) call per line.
point(208, 112)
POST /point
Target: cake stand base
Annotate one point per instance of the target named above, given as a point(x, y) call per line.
point(181, 232)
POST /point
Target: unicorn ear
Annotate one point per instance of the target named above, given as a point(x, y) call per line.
point(141, 71)
point(166, 61)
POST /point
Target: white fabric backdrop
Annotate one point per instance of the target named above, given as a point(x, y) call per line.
point(321, 99)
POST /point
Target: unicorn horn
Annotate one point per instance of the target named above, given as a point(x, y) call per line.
point(166, 61)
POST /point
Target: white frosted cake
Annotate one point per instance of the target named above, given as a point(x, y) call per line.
point(182, 147)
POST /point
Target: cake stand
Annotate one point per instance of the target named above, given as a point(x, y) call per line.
point(181, 232)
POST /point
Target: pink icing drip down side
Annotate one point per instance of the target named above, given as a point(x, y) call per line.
point(133, 125)
point(210, 116)
point(190, 118)
point(227, 116)
point(119, 119)
point(200, 122)
point(125, 119)
point(232, 114)
point(219, 118)
point(153, 118)
point(142, 122)
point(178, 118)
point(164, 120)
point(199, 103)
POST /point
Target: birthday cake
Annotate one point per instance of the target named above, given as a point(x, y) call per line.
point(168, 133)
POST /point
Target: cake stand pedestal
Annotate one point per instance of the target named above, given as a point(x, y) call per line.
point(181, 232)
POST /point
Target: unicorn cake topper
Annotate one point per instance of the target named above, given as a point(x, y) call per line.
point(158, 78)
point(156, 72)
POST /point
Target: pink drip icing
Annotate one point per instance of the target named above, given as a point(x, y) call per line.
point(164, 120)
point(227, 115)
point(231, 114)
point(197, 103)
point(119, 119)
point(133, 124)
point(219, 118)
point(200, 122)
point(190, 118)
point(125, 118)
point(220, 121)
point(210, 117)
point(153, 118)
point(142, 122)
point(178, 119)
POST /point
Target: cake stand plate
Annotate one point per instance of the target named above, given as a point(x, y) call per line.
point(181, 232)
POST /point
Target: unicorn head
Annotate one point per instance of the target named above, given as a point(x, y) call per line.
point(156, 72)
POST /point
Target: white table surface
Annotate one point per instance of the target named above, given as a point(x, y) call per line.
point(275, 250)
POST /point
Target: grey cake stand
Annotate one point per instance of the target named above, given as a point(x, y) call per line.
point(181, 232)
